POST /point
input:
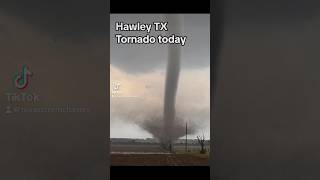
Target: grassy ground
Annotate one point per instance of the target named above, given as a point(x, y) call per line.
point(159, 160)
point(135, 155)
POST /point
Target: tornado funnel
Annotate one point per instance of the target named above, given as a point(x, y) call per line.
point(172, 79)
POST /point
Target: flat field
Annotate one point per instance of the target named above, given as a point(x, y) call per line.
point(153, 155)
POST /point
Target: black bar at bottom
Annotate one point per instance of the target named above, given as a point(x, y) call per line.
point(160, 172)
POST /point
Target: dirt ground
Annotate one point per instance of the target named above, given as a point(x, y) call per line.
point(159, 160)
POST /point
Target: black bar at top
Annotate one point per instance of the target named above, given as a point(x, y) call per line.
point(159, 6)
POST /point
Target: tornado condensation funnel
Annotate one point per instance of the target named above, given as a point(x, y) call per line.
point(175, 23)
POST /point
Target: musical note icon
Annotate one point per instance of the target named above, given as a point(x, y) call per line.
point(21, 81)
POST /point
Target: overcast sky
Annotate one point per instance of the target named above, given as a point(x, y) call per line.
point(141, 71)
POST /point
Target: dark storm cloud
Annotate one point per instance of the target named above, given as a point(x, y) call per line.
point(67, 19)
point(237, 14)
point(70, 71)
point(267, 11)
point(143, 58)
point(266, 119)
